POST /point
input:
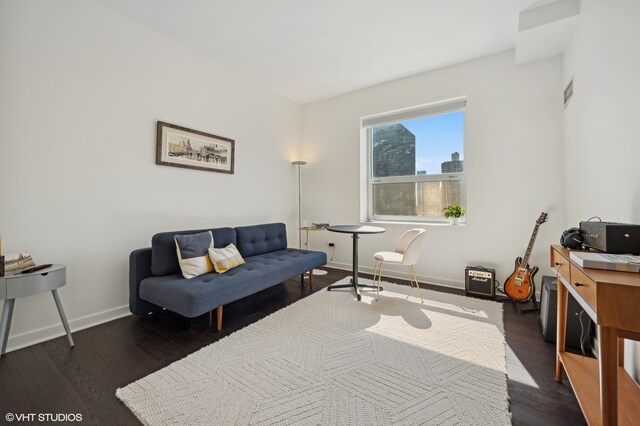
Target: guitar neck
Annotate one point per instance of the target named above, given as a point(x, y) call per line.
point(532, 240)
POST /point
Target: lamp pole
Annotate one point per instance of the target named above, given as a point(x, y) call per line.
point(299, 163)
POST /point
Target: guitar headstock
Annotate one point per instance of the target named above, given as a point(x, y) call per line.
point(543, 218)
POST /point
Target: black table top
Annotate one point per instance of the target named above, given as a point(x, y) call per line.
point(356, 229)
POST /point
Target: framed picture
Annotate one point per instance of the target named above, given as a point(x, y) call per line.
point(191, 149)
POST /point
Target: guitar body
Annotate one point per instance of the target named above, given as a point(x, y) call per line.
point(519, 286)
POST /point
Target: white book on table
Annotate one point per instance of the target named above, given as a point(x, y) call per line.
point(612, 262)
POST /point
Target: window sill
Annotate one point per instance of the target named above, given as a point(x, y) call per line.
point(404, 223)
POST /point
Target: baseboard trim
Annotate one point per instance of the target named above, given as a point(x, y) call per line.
point(39, 335)
point(442, 282)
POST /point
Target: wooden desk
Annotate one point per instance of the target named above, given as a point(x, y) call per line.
point(606, 393)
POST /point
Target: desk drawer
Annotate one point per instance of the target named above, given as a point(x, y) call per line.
point(21, 286)
point(585, 287)
point(561, 263)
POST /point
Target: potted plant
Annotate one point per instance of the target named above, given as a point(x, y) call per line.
point(453, 213)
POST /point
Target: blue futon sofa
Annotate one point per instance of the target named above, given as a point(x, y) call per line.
point(156, 282)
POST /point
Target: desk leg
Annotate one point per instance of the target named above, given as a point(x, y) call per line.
point(562, 327)
point(5, 325)
point(608, 361)
point(62, 316)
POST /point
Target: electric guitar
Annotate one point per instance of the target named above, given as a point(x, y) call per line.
point(519, 286)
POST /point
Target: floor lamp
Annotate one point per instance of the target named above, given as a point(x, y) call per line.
point(299, 163)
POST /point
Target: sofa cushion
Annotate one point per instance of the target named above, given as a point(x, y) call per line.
point(260, 239)
point(193, 253)
point(199, 295)
point(164, 258)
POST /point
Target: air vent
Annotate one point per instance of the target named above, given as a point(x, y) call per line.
point(568, 93)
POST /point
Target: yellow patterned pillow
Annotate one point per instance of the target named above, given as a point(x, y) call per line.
point(225, 258)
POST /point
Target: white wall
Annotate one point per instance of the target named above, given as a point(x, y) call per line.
point(602, 151)
point(513, 160)
point(81, 89)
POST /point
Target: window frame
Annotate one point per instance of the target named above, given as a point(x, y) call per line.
point(369, 181)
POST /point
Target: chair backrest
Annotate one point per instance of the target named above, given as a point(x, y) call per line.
point(409, 245)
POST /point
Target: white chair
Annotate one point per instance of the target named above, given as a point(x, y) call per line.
point(407, 253)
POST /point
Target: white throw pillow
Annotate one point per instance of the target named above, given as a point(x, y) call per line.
point(192, 253)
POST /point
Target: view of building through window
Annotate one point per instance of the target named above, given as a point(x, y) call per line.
point(417, 166)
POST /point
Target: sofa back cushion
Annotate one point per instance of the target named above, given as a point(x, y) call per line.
point(164, 257)
point(259, 239)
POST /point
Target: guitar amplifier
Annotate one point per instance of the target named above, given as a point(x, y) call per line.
point(611, 237)
point(480, 282)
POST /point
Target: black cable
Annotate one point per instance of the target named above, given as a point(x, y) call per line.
point(482, 267)
point(582, 333)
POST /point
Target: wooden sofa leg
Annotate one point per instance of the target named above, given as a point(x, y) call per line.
point(311, 279)
point(219, 312)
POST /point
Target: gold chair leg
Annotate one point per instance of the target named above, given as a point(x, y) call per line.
point(379, 268)
point(375, 275)
point(413, 277)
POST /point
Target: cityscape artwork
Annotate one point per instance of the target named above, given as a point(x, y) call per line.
point(187, 148)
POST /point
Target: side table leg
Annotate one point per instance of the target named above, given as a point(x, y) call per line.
point(62, 316)
point(5, 325)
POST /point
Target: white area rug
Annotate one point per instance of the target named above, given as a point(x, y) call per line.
point(329, 359)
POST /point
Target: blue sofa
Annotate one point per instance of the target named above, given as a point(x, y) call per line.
point(156, 282)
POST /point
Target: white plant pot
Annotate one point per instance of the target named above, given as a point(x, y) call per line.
point(453, 220)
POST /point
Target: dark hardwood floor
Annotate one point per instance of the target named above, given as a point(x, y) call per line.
point(50, 377)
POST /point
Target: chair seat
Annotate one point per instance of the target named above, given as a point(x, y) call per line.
point(389, 257)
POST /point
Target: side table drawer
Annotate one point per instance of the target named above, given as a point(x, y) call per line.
point(585, 287)
point(561, 263)
point(21, 286)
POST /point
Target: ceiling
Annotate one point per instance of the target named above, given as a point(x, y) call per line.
point(309, 50)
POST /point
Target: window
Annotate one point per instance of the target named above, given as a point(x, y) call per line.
point(415, 162)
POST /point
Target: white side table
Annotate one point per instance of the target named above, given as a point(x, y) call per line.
point(21, 285)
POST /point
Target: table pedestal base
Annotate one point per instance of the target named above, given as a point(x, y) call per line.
point(355, 288)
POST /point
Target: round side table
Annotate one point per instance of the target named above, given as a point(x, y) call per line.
point(22, 285)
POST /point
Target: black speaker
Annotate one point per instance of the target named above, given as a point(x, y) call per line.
point(480, 281)
point(549, 315)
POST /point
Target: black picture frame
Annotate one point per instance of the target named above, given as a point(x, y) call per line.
point(179, 146)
